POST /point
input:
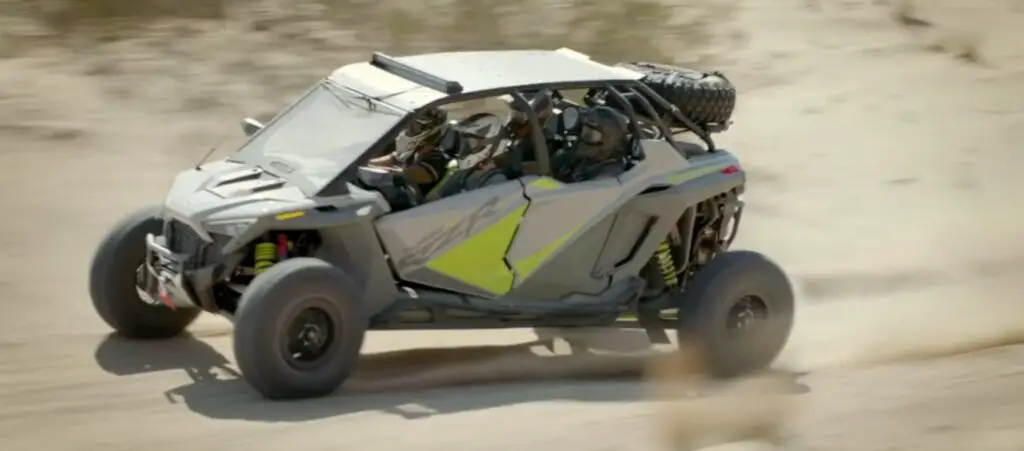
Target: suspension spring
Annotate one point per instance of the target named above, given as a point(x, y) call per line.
point(667, 264)
point(264, 256)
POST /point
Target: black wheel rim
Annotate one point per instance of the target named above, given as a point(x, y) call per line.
point(747, 314)
point(308, 337)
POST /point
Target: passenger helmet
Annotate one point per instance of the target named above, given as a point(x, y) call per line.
point(603, 134)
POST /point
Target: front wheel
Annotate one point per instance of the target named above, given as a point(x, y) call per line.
point(298, 330)
point(738, 311)
point(117, 268)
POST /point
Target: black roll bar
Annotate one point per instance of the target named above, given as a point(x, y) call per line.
point(676, 113)
point(666, 131)
point(540, 145)
point(634, 127)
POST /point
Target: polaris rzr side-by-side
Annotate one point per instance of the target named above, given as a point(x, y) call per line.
point(331, 220)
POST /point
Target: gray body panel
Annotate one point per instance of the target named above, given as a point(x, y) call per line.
point(558, 244)
point(243, 202)
point(573, 241)
point(414, 238)
point(593, 226)
point(221, 194)
point(353, 247)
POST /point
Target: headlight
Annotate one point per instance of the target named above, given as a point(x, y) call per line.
point(229, 228)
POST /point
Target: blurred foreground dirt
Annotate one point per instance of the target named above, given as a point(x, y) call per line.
point(883, 145)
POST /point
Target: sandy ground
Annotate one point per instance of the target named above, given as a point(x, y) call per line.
point(884, 169)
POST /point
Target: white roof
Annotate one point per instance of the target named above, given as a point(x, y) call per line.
point(479, 71)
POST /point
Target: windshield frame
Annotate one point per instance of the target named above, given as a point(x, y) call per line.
point(291, 170)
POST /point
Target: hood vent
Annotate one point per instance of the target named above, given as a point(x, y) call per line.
point(242, 183)
point(247, 175)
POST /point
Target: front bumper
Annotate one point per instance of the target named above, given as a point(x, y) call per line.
point(181, 273)
point(168, 283)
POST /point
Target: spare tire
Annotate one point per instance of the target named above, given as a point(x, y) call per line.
point(706, 98)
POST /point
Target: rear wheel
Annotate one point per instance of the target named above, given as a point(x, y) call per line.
point(738, 311)
point(117, 268)
point(298, 330)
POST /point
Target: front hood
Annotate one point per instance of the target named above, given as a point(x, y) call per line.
point(223, 191)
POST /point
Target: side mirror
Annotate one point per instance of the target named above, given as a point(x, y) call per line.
point(250, 126)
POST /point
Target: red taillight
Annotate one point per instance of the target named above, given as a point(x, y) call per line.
point(731, 169)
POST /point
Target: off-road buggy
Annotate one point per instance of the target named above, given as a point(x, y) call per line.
point(301, 245)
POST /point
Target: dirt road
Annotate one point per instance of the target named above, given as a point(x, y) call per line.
point(884, 166)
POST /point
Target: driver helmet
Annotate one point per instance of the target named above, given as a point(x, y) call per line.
point(424, 133)
point(603, 133)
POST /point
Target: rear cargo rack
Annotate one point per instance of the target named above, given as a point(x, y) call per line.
point(393, 66)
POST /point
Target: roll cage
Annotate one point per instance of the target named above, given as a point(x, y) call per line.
point(621, 91)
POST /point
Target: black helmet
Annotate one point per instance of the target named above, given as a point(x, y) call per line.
point(603, 133)
point(426, 128)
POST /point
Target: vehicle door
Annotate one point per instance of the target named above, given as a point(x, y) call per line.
point(457, 243)
point(561, 236)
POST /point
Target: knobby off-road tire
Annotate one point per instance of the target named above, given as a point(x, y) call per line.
point(704, 97)
point(112, 281)
point(291, 291)
point(716, 293)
